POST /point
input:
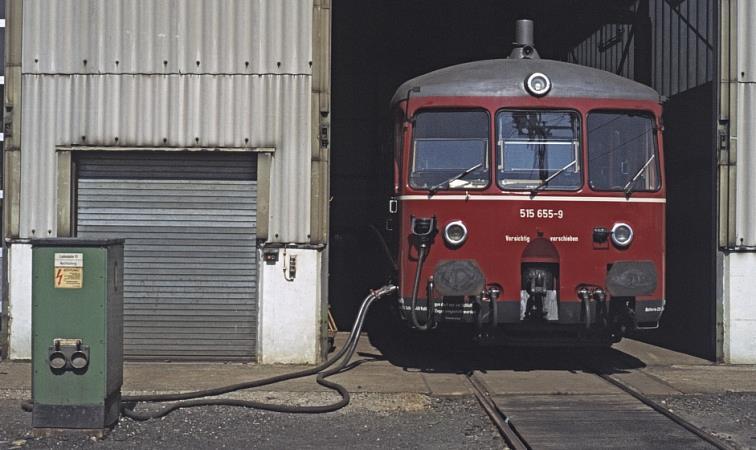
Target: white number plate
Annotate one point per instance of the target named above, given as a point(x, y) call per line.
point(531, 213)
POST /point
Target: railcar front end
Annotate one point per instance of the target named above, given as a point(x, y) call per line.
point(530, 202)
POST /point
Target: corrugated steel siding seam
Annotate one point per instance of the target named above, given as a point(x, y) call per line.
point(140, 110)
point(167, 36)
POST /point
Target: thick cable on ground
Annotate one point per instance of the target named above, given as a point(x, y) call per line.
point(324, 370)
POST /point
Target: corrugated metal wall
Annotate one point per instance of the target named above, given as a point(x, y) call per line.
point(604, 48)
point(167, 36)
point(745, 143)
point(738, 163)
point(683, 37)
point(175, 73)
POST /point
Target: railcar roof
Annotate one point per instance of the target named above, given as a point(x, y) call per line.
point(505, 78)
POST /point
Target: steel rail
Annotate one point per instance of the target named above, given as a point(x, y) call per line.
point(702, 434)
point(516, 441)
point(506, 428)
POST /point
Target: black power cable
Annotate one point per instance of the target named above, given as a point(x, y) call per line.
point(323, 371)
point(413, 302)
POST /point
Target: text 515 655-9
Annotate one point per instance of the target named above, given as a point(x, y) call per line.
point(531, 213)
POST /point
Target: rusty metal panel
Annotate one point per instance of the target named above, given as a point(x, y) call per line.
point(199, 111)
point(167, 36)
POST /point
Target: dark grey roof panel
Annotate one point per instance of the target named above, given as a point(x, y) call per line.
point(505, 77)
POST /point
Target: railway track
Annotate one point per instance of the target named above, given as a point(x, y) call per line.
point(506, 428)
point(528, 438)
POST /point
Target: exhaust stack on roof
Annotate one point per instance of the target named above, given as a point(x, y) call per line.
point(524, 45)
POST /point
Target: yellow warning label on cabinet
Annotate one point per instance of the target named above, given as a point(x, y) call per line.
point(69, 277)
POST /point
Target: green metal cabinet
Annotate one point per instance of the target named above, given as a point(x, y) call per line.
point(77, 328)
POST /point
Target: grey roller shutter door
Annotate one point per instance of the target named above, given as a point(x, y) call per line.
point(189, 220)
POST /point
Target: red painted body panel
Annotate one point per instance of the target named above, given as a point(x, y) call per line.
point(492, 215)
point(495, 228)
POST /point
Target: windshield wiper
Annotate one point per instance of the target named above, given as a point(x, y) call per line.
point(545, 182)
point(629, 186)
point(456, 177)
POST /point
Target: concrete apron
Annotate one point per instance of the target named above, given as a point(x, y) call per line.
point(665, 373)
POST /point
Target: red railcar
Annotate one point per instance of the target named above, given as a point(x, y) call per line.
point(530, 199)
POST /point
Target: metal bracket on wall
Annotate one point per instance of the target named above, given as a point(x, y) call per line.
point(723, 133)
point(8, 122)
point(289, 266)
point(324, 138)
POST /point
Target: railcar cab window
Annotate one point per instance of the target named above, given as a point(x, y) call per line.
point(450, 150)
point(538, 150)
point(622, 153)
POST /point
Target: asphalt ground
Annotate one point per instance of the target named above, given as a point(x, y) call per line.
point(412, 394)
point(372, 421)
point(416, 421)
point(731, 416)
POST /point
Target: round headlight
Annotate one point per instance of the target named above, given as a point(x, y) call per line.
point(622, 234)
point(455, 233)
point(538, 84)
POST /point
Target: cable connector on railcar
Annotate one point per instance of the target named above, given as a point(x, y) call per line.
point(423, 231)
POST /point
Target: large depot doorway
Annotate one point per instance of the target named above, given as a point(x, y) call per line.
point(668, 44)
